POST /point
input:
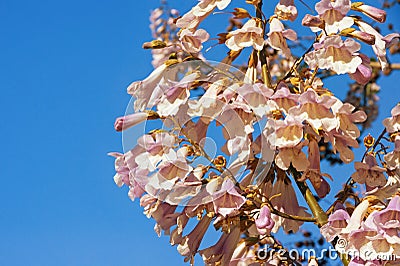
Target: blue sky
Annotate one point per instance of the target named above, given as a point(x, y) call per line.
point(64, 70)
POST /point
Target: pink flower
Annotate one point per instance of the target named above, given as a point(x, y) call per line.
point(190, 20)
point(206, 6)
point(337, 7)
point(146, 92)
point(175, 95)
point(378, 235)
point(285, 133)
point(192, 41)
point(255, 97)
point(341, 224)
point(249, 35)
point(128, 172)
point(389, 219)
point(277, 35)
point(392, 124)
point(286, 10)
point(332, 53)
point(369, 243)
point(337, 221)
point(122, 175)
point(315, 110)
point(227, 200)
point(284, 98)
point(360, 35)
point(264, 222)
point(334, 14)
point(346, 118)
point(158, 143)
point(155, 147)
point(369, 173)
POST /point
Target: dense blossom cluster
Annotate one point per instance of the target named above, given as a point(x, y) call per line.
point(272, 121)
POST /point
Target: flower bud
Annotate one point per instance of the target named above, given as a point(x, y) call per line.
point(125, 122)
point(155, 44)
point(360, 35)
point(369, 141)
point(241, 13)
point(372, 12)
point(264, 222)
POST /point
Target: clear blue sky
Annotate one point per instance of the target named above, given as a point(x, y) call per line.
point(64, 68)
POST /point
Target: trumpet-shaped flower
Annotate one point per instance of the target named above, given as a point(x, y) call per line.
point(334, 54)
point(249, 35)
point(227, 200)
point(277, 35)
point(334, 14)
point(192, 41)
point(286, 10)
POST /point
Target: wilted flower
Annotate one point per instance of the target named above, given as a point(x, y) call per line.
point(221, 253)
point(369, 173)
point(392, 159)
point(277, 35)
point(191, 242)
point(286, 202)
point(313, 173)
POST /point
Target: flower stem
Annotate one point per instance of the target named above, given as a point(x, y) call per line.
point(319, 214)
point(262, 55)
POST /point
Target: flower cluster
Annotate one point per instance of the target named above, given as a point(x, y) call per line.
point(271, 120)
